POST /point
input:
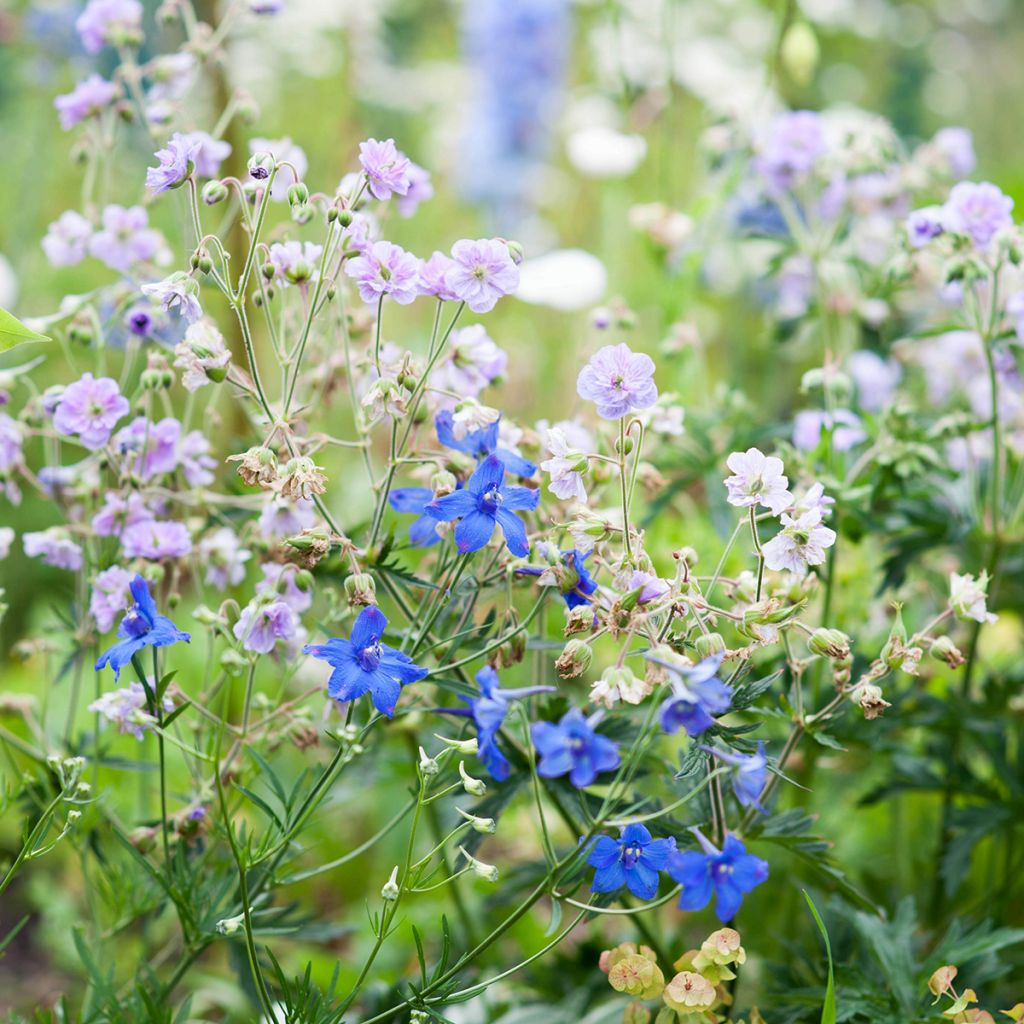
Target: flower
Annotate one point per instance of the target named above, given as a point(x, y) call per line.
point(109, 21)
point(125, 238)
point(202, 355)
point(208, 153)
point(844, 426)
point(728, 875)
point(66, 241)
point(618, 381)
point(758, 480)
point(603, 152)
point(925, 224)
point(979, 210)
point(90, 408)
point(633, 860)
point(967, 597)
point(291, 164)
point(282, 581)
point(110, 596)
point(957, 146)
point(791, 146)
point(414, 501)
point(177, 161)
point(155, 446)
point(566, 468)
point(480, 443)
point(266, 621)
point(484, 503)
point(282, 518)
point(142, 626)
point(87, 99)
point(118, 512)
point(800, 543)
point(474, 361)
point(876, 379)
point(482, 272)
point(224, 557)
point(488, 712)
point(573, 748)
point(748, 775)
point(697, 695)
point(566, 571)
point(647, 586)
point(295, 262)
point(179, 290)
point(433, 279)
point(55, 548)
point(10, 443)
point(124, 708)
point(419, 191)
point(385, 269)
point(386, 168)
point(362, 663)
point(154, 539)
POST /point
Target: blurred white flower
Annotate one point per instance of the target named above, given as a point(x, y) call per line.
point(566, 280)
point(602, 152)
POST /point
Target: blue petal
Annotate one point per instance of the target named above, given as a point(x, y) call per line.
point(410, 499)
point(384, 691)
point(605, 851)
point(423, 532)
point(642, 881)
point(451, 506)
point(336, 652)
point(401, 666)
point(368, 628)
point(728, 899)
point(488, 475)
point(635, 835)
point(515, 532)
point(609, 878)
point(348, 682)
point(515, 463)
point(749, 872)
point(657, 853)
point(474, 531)
point(143, 599)
point(521, 499)
point(494, 760)
point(689, 868)
point(120, 655)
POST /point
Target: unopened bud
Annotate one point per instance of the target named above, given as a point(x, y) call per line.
point(575, 659)
point(468, 747)
point(260, 166)
point(486, 871)
point(298, 194)
point(708, 644)
point(390, 890)
point(360, 589)
point(945, 650)
point(214, 192)
point(829, 643)
point(428, 766)
point(474, 787)
point(487, 826)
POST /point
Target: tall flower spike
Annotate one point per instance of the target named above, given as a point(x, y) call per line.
point(363, 664)
point(142, 626)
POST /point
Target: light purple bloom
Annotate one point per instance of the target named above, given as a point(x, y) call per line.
point(88, 99)
point(111, 597)
point(386, 167)
point(876, 379)
point(433, 278)
point(66, 241)
point(176, 162)
point(474, 361)
point(758, 479)
point(791, 146)
point(109, 21)
point(925, 224)
point(125, 238)
point(809, 424)
point(154, 444)
point(618, 380)
point(957, 145)
point(979, 210)
point(266, 6)
point(54, 547)
point(10, 443)
point(280, 581)
point(385, 269)
point(117, 512)
point(195, 459)
point(360, 235)
point(263, 624)
point(419, 191)
point(801, 542)
point(208, 154)
point(179, 290)
point(482, 273)
point(155, 539)
point(125, 708)
point(649, 585)
point(224, 557)
point(282, 518)
point(90, 408)
point(296, 262)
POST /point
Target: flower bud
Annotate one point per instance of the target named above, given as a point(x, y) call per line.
point(233, 662)
point(829, 643)
point(231, 925)
point(579, 620)
point(390, 891)
point(298, 194)
point(575, 659)
point(486, 871)
point(260, 166)
point(708, 644)
point(214, 192)
point(428, 766)
point(474, 787)
point(360, 589)
point(468, 747)
point(945, 650)
point(487, 826)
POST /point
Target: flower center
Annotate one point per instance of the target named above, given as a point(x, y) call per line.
point(369, 657)
point(631, 855)
point(134, 624)
point(490, 500)
point(480, 272)
point(618, 381)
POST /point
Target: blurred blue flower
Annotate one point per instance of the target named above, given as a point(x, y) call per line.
point(413, 501)
point(697, 695)
point(142, 626)
point(748, 775)
point(362, 663)
point(728, 875)
point(572, 578)
point(633, 860)
point(573, 748)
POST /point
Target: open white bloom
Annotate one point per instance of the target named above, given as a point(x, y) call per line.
point(800, 543)
point(470, 416)
point(566, 468)
point(602, 152)
point(202, 355)
point(566, 280)
point(758, 480)
point(967, 597)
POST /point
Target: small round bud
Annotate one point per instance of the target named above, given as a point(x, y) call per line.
point(391, 890)
point(829, 643)
point(268, 270)
point(515, 250)
point(575, 659)
point(428, 765)
point(360, 589)
point(214, 192)
point(332, 214)
point(298, 194)
point(260, 166)
point(708, 644)
point(345, 218)
point(205, 264)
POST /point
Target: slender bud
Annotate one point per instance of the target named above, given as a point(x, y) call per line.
point(486, 871)
point(488, 826)
point(390, 890)
point(428, 766)
point(474, 787)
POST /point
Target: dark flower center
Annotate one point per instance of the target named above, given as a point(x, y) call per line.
point(631, 855)
point(134, 624)
point(490, 500)
point(369, 657)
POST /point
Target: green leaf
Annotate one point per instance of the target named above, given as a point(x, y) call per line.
point(13, 332)
point(828, 1011)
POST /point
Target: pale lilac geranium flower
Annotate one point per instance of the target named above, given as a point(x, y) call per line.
point(54, 547)
point(125, 709)
point(194, 457)
point(125, 238)
point(650, 586)
point(282, 518)
point(155, 539)
point(207, 152)
point(433, 278)
point(177, 161)
point(385, 269)
point(89, 98)
point(876, 379)
point(110, 597)
point(155, 446)
point(10, 443)
point(790, 147)
point(263, 624)
point(386, 168)
point(758, 479)
point(266, 7)
point(179, 290)
point(566, 468)
point(809, 424)
point(66, 241)
point(224, 557)
point(295, 262)
point(117, 512)
point(618, 380)
point(924, 225)
point(201, 355)
point(109, 21)
point(474, 362)
point(814, 499)
point(90, 408)
point(6, 540)
point(800, 543)
point(979, 210)
point(419, 191)
point(968, 597)
point(482, 272)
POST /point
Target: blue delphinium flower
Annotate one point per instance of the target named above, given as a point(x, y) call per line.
point(488, 712)
point(697, 695)
point(748, 776)
point(413, 501)
point(574, 582)
point(633, 860)
point(363, 663)
point(480, 443)
point(728, 875)
point(485, 502)
point(573, 748)
point(142, 626)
